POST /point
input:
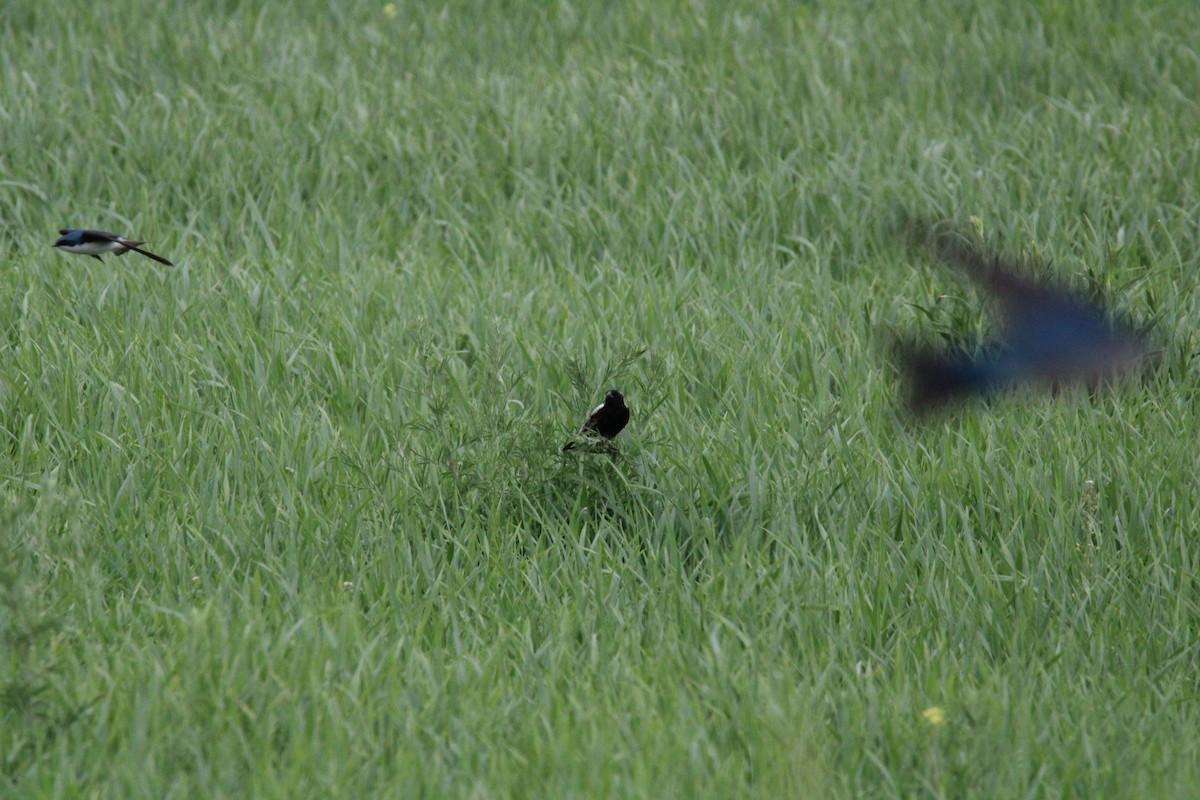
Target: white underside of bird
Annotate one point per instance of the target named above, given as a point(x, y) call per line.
point(119, 247)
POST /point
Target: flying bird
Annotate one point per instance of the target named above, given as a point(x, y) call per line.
point(1048, 335)
point(94, 243)
point(608, 419)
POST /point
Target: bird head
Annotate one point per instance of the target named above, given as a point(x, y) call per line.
point(614, 398)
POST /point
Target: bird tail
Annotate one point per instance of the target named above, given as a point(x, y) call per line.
point(147, 253)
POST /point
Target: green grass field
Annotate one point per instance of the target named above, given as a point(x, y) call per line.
point(290, 519)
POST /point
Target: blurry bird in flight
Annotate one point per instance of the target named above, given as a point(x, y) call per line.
point(1048, 335)
point(94, 243)
point(608, 419)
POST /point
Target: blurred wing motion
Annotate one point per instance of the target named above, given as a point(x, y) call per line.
point(1048, 335)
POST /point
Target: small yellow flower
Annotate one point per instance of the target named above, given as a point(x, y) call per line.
point(390, 11)
point(934, 716)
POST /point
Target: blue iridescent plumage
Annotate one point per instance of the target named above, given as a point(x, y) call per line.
point(1048, 335)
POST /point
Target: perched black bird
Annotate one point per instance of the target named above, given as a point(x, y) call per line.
point(1049, 335)
point(93, 243)
point(609, 418)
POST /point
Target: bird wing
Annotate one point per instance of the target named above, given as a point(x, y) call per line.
point(992, 272)
point(88, 235)
point(593, 420)
point(1023, 300)
point(1048, 327)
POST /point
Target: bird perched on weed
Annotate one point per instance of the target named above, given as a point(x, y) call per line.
point(1049, 335)
point(607, 420)
point(94, 243)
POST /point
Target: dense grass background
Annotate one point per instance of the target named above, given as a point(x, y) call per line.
point(290, 519)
